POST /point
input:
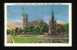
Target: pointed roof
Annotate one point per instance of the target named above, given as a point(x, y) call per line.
point(23, 12)
point(52, 16)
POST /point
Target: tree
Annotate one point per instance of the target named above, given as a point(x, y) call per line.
point(66, 26)
point(43, 27)
point(39, 27)
point(8, 31)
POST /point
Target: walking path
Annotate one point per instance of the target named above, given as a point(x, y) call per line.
point(10, 39)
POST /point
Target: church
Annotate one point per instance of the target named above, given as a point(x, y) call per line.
point(52, 22)
point(53, 27)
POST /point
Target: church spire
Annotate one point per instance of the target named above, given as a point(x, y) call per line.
point(52, 16)
point(23, 12)
point(25, 17)
point(52, 23)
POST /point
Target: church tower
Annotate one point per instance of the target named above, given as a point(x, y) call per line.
point(24, 18)
point(52, 24)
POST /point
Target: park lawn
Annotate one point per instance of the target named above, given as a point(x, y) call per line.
point(25, 39)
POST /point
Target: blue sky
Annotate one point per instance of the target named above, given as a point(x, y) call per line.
point(14, 13)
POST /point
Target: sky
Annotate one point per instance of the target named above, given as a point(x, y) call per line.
point(37, 12)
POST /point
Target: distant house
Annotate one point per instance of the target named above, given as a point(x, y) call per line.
point(13, 25)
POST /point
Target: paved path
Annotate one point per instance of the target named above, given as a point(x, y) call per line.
point(52, 39)
point(10, 39)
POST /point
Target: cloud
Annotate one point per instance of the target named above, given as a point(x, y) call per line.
point(60, 22)
point(46, 19)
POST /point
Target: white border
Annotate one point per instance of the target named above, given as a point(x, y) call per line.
point(39, 44)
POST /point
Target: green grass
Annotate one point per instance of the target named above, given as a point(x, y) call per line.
point(34, 39)
point(30, 39)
